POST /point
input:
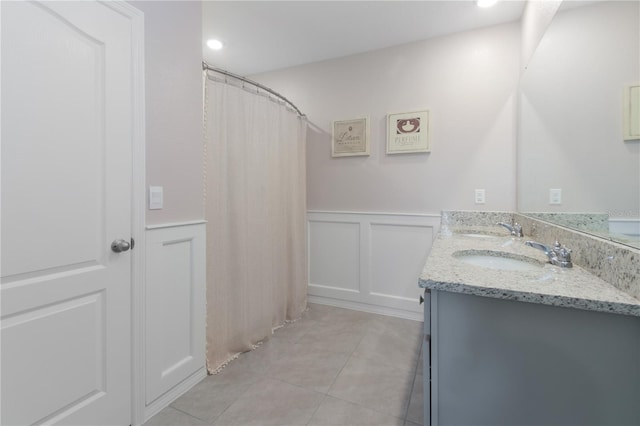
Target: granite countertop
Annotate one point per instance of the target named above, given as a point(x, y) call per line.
point(550, 285)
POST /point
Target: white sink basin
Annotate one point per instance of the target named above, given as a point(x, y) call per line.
point(480, 233)
point(477, 235)
point(498, 260)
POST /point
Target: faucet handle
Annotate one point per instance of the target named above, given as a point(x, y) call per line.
point(517, 230)
point(562, 254)
point(558, 248)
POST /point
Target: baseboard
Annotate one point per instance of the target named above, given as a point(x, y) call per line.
point(365, 307)
point(174, 393)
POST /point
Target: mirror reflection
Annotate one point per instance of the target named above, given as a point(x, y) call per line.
point(574, 166)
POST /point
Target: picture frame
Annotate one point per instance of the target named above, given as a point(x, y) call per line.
point(350, 137)
point(408, 132)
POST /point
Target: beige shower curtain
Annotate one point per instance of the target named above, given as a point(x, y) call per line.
point(256, 213)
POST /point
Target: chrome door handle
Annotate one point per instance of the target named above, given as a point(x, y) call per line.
point(118, 246)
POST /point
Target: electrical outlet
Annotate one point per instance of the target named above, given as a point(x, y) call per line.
point(555, 196)
point(479, 196)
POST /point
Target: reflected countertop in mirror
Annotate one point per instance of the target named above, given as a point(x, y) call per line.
point(570, 129)
point(598, 224)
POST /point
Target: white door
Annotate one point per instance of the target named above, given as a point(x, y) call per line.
point(66, 195)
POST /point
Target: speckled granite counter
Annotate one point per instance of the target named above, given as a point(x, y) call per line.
point(551, 285)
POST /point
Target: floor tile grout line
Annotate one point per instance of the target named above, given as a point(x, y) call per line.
point(266, 378)
point(339, 372)
point(241, 395)
point(413, 384)
point(353, 355)
point(345, 364)
point(318, 325)
point(388, 365)
point(317, 408)
point(324, 396)
point(358, 404)
point(237, 398)
point(188, 414)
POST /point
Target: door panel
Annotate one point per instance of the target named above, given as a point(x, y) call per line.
point(67, 135)
point(60, 343)
point(63, 102)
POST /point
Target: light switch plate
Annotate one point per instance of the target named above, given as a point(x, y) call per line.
point(555, 196)
point(479, 196)
point(155, 197)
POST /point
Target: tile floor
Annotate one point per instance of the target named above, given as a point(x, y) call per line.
point(332, 367)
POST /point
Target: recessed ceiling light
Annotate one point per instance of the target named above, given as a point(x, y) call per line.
point(214, 44)
point(486, 3)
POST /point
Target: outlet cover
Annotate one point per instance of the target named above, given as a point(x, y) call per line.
point(555, 196)
point(479, 196)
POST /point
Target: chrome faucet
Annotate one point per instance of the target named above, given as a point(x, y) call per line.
point(515, 230)
point(558, 255)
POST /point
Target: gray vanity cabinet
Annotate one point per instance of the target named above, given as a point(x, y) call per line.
point(426, 356)
point(501, 362)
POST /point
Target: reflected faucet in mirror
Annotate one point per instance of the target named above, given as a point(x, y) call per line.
point(515, 229)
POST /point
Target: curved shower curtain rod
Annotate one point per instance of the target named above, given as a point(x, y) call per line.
point(208, 67)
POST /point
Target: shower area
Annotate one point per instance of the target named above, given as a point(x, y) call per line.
point(255, 206)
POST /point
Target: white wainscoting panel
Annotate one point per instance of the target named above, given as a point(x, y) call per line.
point(334, 249)
point(369, 261)
point(175, 311)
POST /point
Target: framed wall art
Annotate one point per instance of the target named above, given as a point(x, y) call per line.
point(408, 132)
point(632, 113)
point(350, 137)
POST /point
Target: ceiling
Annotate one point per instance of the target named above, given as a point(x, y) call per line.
point(267, 35)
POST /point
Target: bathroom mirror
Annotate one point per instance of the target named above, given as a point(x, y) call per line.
point(574, 166)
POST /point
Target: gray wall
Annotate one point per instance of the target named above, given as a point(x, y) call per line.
point(536, 18)
point(571, 122)
point(467, 81)
point(173, 84)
